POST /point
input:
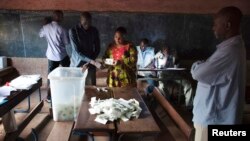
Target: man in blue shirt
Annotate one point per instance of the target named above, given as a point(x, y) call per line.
point(57, 39)
point(221, 78)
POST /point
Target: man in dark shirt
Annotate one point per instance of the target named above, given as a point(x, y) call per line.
point(85, 43)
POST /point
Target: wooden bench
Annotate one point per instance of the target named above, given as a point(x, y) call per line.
point(186, 129)
point(14, 135)
point(61, 131)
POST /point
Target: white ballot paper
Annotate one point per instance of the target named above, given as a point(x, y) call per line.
point(114, 109)
point(5, 90)
point(25, 81)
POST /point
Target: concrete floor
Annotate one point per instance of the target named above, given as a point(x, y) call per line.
point(45, 128)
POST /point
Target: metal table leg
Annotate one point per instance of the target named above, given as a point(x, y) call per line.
point(40, 97)
point(24, 110)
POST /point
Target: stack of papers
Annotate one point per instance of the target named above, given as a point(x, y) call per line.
point(25, 81)
point(4, 92)
point(114, 109)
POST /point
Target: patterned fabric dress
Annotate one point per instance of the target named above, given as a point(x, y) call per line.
point(124, 72)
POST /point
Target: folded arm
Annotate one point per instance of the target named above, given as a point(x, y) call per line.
point(212, 71)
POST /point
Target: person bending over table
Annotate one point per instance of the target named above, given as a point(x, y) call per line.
point(122, 71)
point(165, 59)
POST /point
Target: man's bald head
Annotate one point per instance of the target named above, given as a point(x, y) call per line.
point(57, 15)
point(227, 22)
point(232, 15)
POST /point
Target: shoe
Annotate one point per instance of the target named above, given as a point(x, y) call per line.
point(48, 100)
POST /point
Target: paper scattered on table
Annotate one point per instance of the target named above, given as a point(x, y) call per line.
point(25, 81)
point(5, 90)
point(103, 89)
point(114, 109)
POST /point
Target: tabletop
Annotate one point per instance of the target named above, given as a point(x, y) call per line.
point(136, 125)
point(17, 96)
point(85, 122)
point(162, 69)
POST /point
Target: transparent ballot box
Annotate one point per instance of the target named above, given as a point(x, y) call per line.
point(67, 90)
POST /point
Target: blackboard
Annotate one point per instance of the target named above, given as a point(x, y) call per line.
point(190, 35)
point(10, 35)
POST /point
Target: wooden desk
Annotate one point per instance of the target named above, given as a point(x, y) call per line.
point(166, 75)
point(170, 70)
point(85, 123)
point(163, 69)
point(7, 112)
point(17, 96)
point(7, 74)
point(144, 125)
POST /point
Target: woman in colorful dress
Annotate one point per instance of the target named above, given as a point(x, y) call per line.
point(122, 72)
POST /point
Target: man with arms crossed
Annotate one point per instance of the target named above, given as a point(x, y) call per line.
point(221, 78)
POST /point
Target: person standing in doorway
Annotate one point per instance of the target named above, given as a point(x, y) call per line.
point(221, 78)
point(57, 39)
point(85, 43)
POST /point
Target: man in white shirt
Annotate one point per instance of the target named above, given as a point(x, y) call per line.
point(57, 39)
point(146, 60)
point(221, 78)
